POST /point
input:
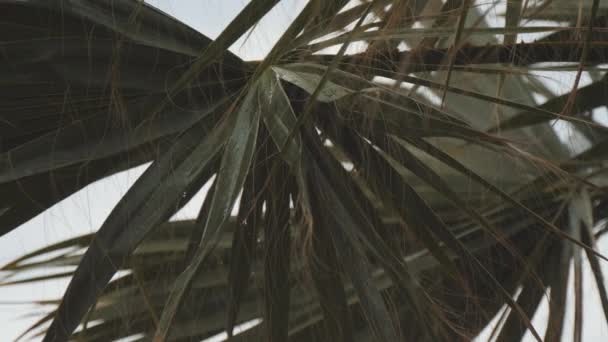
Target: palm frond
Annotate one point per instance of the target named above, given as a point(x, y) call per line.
point(392, 173)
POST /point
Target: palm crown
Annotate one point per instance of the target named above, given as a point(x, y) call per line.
point(395, 177)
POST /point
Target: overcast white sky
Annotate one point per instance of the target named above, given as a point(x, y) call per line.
point(85, 211)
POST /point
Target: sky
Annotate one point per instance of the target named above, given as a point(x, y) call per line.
point(86, 210)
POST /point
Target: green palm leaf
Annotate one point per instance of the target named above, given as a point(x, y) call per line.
point(406, 186)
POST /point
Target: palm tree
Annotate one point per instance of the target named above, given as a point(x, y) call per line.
point(394, 174)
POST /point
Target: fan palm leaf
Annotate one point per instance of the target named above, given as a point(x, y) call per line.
point(392, 175)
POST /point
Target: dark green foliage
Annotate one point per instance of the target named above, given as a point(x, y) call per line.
point(366, 209)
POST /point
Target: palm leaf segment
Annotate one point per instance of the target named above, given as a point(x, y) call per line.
point(366, 210)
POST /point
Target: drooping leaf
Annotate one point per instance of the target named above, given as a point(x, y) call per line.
point(230, 177)
point(143, 207)
point(277, 256)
